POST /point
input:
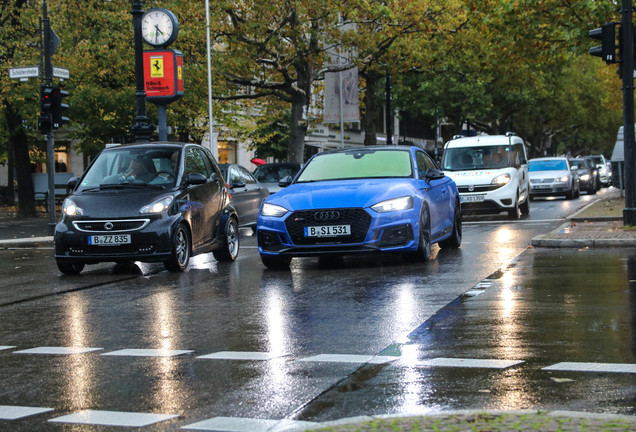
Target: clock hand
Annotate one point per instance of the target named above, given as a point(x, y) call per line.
point(157, 32)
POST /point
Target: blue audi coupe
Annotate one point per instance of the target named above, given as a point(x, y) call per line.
point(378, 199)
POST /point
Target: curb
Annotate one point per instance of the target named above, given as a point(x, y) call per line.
point(468, 417)
point(27, 242)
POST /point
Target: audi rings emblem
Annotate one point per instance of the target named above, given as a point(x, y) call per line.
point(471, 188)
point(108, 226)
point(326, 215)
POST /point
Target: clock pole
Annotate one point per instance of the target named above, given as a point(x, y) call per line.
point(141, 129)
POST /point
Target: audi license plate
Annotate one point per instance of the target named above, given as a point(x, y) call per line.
point(473, 198)
point(328, 231)
point(109, 240)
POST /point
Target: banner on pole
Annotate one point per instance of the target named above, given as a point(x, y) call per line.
point(341, 85)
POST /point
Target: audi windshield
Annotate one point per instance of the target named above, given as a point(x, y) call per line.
point(358, 164)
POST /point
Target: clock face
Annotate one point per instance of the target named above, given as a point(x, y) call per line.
point(159, 27)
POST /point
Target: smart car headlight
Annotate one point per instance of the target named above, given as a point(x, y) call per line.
point(501, 179)
point(69, 208)
point(158, 206)
point(395, 204)
point(273, 210)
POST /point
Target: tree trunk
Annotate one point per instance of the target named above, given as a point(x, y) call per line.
point(18, 140)
point(298, 130)
point(370, 116)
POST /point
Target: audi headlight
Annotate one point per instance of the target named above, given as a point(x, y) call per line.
point(69, 208)
point(158, 206)
point(273, 210)
point(501, 179)
point(394, 204)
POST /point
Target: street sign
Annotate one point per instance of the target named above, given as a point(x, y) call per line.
point(59, 72)
point(24, 73)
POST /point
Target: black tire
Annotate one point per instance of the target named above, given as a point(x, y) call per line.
point(275, 262)
point(455, 239)
point(70, 268)
point(230, 249)
point(423, 253)
point(525, 207)
point(513, 213)
point(181, 250)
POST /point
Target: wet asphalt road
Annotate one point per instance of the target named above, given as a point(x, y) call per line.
point(540, 307)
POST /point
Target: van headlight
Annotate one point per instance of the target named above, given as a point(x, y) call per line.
point(501, 179)
point(158, 206)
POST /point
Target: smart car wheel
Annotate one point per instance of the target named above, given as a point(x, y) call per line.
point(70, 268)
point(455, 240)
point(181, 250)
point(230, 248)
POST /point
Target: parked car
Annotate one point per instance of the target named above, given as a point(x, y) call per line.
point(153, 202)
point(604, 169)
point(362, 200)
point(247, 194)
point(587, 174)
point(553, 176)
point(270, 174)
point(491, 173)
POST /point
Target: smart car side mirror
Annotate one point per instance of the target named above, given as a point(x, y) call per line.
point(70, 184)
point(197, 179)
point(285, 181)
point(238, 184)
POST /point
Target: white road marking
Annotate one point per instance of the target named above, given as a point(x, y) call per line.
point(471, 363)
point(240, 424)
point(240, 355)
point(113, 418)
point(592, 367)
point(8, 412)
point(350, 358)
point(6, 347)
point(57, 350)
point(147, 353)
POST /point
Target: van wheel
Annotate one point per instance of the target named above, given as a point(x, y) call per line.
point(513, 213)
point(525, 207)
point(181, 250)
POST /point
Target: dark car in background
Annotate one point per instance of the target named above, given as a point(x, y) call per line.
point(587, 174)
point(247, 194)
point(270, 174)
point(153, 202)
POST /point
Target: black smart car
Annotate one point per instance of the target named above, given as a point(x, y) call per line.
point(151, 202)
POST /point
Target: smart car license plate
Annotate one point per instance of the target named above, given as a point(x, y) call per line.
point(109, 240)
point(328, 231)
point(473, 198)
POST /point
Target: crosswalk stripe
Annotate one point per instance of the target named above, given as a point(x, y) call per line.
point(14, 412)
point(242, 424)
point(471, 363)
point(592, 367)
point(113, 418)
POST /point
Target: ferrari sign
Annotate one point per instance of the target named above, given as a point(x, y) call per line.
point(163, 76)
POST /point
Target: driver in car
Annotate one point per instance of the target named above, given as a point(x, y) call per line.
point(141, 169)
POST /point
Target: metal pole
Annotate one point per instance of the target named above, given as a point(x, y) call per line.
point(341, 109)
point(213, 147)
point(163, 128)
point(389, 114)
point(141, 129)
point(50, 140)
point(627, 72)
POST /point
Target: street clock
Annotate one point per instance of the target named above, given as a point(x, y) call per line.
point(159, 27)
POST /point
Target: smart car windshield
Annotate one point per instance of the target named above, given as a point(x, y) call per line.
point(132, 167)
point(547, 165)
point(357, 164)
point(467, 158)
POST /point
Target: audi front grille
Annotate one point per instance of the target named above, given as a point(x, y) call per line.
point(357, 218)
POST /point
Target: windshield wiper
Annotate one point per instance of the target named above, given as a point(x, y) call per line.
point(129, 185)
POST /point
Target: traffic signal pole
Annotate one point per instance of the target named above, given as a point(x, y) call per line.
point(627, 75)
point(50, 143)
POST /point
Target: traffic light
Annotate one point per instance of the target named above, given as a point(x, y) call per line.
point(607, 36)
point(59, 109)
point(46, 109)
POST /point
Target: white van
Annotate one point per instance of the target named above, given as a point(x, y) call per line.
point(491, 173)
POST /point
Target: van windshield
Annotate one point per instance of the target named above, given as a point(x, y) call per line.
point(469, 158)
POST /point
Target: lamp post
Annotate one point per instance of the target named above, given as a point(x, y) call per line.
point(141, 129)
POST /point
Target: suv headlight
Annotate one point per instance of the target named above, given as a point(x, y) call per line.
point(501, 179)
point(158, 206)
point(395, 204)
point(273, 210)
point(69, 208)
